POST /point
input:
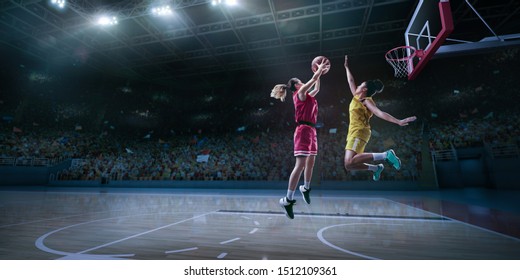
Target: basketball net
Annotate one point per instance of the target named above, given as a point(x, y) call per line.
point(401, 59)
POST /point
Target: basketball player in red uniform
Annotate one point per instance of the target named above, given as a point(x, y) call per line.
point(305, 139)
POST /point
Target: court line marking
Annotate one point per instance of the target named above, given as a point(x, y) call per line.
point(325, 215)
point(446, 219)
point(457, 221)
point(221, 256)
point(143, 233)
point(58, 218)
point(229, 212)
point(78, 215)
point(324, 241)
point(230, 240)
point(181, 250)
point(39, 243)
point(415, 208)
point(93, 257)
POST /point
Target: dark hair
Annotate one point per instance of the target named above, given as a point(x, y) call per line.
point(291, 84)
point(373, 87)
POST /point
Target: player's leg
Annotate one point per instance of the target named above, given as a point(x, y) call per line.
point(288, 201)
point(305, 189)
point(357, 159)
point(312, 150)
point(355, 155)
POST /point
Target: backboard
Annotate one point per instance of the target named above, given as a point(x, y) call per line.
point(428, 34)
point(429, 27)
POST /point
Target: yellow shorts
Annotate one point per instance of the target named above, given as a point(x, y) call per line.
point(356, 144)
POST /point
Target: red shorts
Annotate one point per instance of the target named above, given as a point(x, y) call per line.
point(305, 141)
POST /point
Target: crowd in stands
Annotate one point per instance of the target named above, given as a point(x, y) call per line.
point(456, 113)
point(237, 156)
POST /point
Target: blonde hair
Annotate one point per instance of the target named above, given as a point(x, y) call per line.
point(279, 92)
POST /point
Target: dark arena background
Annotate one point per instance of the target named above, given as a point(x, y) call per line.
point(145, 130)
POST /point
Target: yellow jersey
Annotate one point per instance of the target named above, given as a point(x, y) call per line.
point(359, 126)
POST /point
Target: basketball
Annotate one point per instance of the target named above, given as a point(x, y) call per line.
point(317, 60)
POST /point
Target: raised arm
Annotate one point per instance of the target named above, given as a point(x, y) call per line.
point(384, 115)
point(350, 77)
point(316, 88)
point(304, 88)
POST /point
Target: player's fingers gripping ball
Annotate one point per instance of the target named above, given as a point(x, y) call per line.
point(317, 61)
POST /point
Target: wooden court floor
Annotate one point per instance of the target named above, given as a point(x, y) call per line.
point(240, 225)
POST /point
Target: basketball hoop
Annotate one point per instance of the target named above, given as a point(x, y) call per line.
point(401, 59)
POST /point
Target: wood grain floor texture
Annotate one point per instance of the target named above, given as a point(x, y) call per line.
point(193, 225)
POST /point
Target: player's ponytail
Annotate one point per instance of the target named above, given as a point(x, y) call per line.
point(279, 92)
point(374, 86)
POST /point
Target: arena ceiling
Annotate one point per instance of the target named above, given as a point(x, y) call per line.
point(207, 45)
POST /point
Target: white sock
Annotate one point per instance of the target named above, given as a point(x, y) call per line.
point(290, 194)
point(379, 156)
point(372, 167)
point(307, 185)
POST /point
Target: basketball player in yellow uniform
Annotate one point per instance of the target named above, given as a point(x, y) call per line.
point(361, 109)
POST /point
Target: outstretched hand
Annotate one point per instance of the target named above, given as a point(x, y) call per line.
point(322, 66)
point(404, 122)
point(346, 61)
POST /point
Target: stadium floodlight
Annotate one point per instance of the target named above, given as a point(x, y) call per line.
point(58, 3)
point(227, 2)
point(106, 21)
point(162, 11)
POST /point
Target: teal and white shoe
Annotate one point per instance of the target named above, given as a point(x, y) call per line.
point(377, 174)
point(392, 159)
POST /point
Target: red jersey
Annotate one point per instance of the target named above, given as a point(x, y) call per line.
point(305, 138)
point(307, 110)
